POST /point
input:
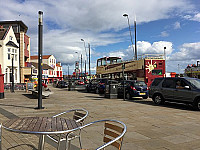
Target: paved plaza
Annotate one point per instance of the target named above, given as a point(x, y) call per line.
point(149, 127)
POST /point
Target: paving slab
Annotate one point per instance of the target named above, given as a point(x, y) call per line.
point(149, 127)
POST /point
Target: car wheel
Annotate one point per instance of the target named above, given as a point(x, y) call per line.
point(97, 91)
point(128, 96)
point(158, 99)
point(196, 104)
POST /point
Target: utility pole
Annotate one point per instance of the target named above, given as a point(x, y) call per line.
point(135, 40)
point(89, 61)
point(81, 66)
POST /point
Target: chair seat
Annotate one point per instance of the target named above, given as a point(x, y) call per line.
point(71, 136)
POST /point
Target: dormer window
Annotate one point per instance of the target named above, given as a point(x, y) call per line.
point(11, 38)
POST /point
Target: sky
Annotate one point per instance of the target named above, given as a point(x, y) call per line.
point(174, 24)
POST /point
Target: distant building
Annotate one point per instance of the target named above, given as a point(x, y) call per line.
point(193, 70)
point(56, 69)
point(20, 30)
point(9, 49)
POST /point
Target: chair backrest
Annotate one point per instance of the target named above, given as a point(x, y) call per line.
point(79, 114)
point(111, 132)
point(114, 132)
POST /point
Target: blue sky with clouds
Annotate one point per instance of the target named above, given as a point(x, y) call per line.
point(160, 23)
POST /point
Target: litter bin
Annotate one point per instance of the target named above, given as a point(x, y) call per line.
point(111, 89)
point(71, 86)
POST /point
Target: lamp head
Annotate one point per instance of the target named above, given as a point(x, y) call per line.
point(82, 39)
point(125, 15)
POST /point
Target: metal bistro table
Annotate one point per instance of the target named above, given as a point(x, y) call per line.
point(41, 126)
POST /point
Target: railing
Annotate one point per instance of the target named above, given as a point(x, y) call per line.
point(151, 56)
point(17, 86)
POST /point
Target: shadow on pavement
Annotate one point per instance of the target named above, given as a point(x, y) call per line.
point(18, 147)
point(167, 104)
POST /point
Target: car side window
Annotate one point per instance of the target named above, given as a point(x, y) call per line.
point(168, 83)
point(180, 84)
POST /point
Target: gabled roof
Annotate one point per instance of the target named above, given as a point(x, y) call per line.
point(11, 43)
point(43, 57)
point(44, 66)
point(2, 33)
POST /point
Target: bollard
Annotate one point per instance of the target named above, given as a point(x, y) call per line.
point(1, 84)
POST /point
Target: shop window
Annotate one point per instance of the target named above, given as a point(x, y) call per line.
point(156, 72)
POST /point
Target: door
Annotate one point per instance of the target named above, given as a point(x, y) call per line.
point(168, 87)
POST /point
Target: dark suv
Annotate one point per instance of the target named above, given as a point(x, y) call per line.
point(180, 89)
point(133, 88)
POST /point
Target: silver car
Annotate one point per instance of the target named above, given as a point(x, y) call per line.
point(180, 89)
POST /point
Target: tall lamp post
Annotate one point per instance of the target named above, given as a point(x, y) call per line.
point(12, 77)
point(165, 60)
point(77, 64)
point(40, 35)
point(126, 15)
point(85, 59)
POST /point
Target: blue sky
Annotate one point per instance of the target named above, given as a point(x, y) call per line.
point(160, 23)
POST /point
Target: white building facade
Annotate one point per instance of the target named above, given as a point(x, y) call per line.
point(9, 49)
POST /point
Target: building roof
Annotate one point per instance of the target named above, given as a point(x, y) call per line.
point(43, 57)
point(58, 65)
point(44, 66)
point(11, 43)
point(18, 22)
point(2, 32)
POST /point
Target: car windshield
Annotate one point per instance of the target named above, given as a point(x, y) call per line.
point(139, 83)
point(195, 82)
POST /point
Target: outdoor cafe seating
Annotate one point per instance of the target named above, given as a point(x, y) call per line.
point(113, 134)
point(78, 115)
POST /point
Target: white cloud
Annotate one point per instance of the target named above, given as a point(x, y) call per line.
point(164, 34)
point(195, 17)
point(177, 25)
point(188, 51)
point(66, 22)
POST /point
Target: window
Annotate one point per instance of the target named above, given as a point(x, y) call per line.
point(15, 74)
point(15, 57)
point(168, 83)
point(11, 38)
point(8, 56)
point(13, 50)
point(156, 81)
point(8, 50)
point(156, 72)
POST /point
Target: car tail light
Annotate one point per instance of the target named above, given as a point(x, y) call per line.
point(133, 88)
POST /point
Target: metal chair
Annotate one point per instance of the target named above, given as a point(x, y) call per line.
point(79, 115)
point(114, 132)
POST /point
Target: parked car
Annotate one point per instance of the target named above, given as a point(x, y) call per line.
point(133, 88)
point(180, 89)
point(80, 82)
point(96, 85)
point(62, 84)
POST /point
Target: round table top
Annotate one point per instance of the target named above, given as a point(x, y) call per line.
point(41, 125)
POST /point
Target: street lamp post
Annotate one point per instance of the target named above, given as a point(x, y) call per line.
point(77, 65)
point(12, 77)
point(85, 59)
point(89, 61)
point(126, 15)
point(40, 35)
point(165, 60)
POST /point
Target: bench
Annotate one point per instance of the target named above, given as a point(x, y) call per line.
point(44, 93)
